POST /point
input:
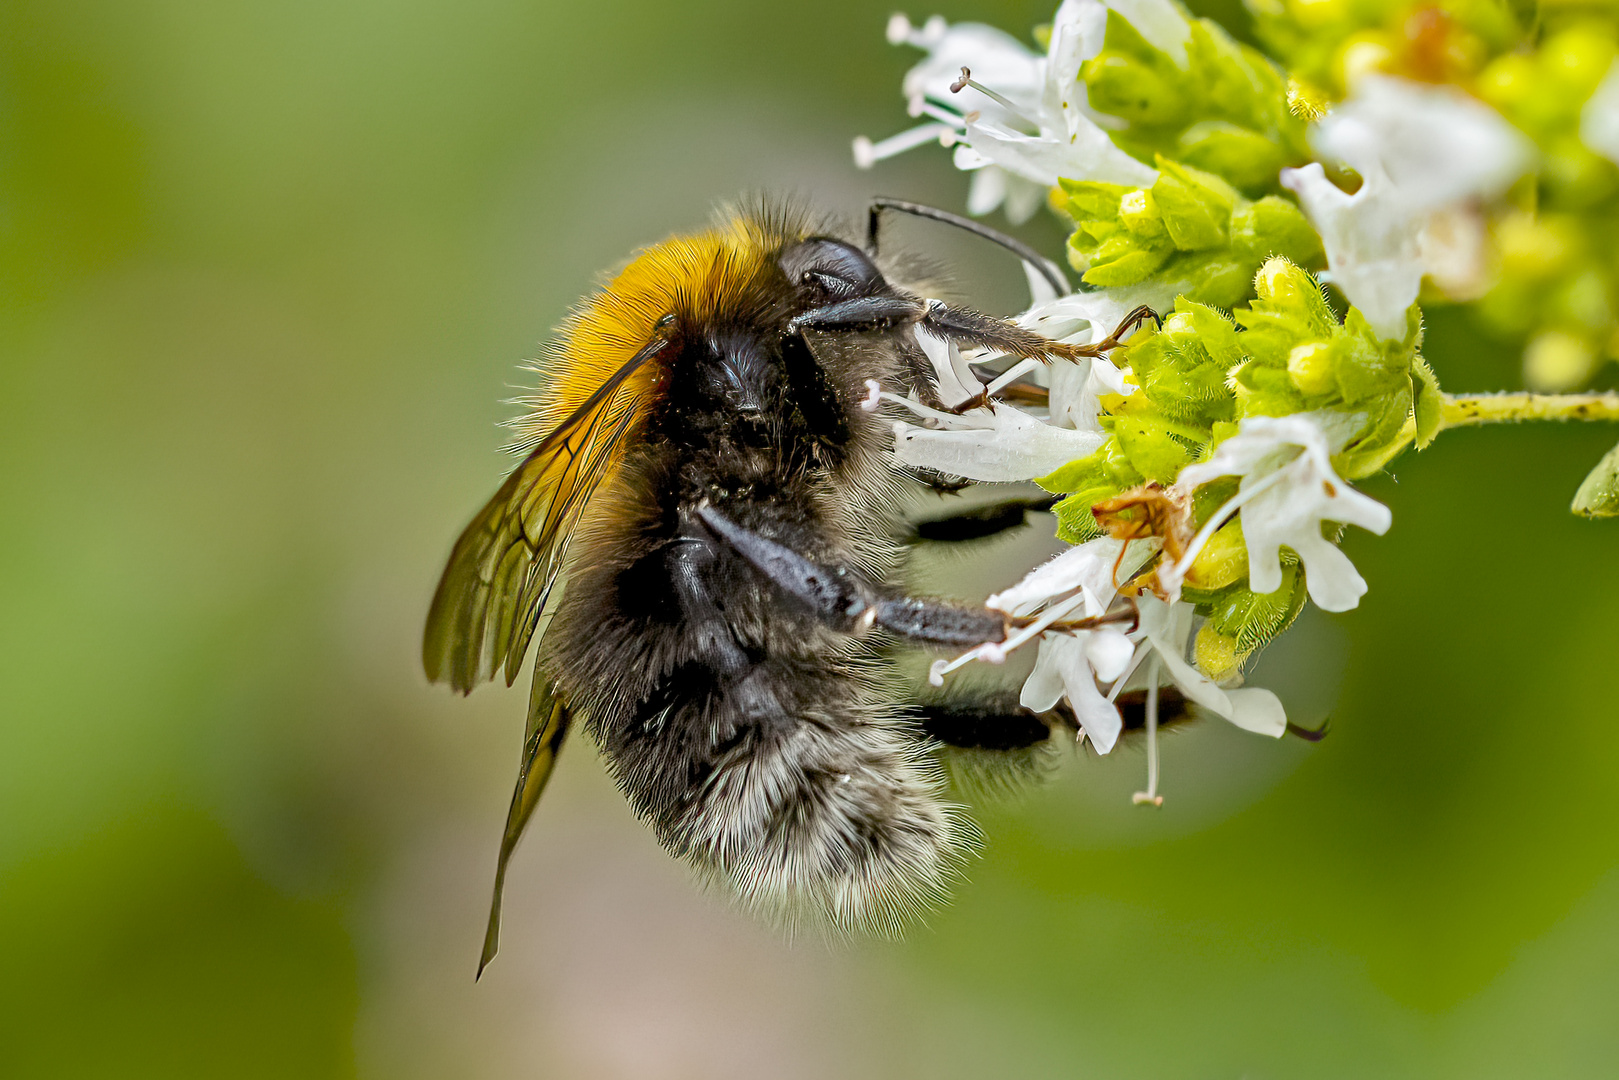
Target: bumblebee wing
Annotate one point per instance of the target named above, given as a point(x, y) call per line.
point(507, 561)
point(548, 720)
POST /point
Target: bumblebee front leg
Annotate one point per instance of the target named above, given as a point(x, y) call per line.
point(960, 324)
point(844, 600)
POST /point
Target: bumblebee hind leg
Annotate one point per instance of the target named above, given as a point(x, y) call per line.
point(989, 744)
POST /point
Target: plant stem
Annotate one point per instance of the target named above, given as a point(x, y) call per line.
point(1465, 410)
point(1470, 410)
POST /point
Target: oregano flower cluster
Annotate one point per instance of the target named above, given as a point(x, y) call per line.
point(1282, 215)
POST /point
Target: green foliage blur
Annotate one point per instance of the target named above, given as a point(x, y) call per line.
point(266, 271)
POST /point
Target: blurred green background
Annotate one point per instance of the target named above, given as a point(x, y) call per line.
point(266, 271)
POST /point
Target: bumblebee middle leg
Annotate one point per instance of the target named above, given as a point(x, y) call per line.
point(979, 522)
point(993, 722)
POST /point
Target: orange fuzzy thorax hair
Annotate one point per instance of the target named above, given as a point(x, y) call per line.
point(695, 277)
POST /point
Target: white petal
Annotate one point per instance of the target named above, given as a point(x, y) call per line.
point(997, 59)
point(1044, 686)
point(953, 378)
point(1024, 199)
point(1086, 155)
point(1257, 710)
point(1059, 575)
point(1437, 145)
point(1372, 247)
point(1077, 33)
point(1333, 581)
point(1109, 652)
point(1264, 562)
point(1087, 566)
point(1098, 716)
point(1419, 149)
point(1194, 684)
point(1018, 447)
point(1041, 291)
point(987, 189)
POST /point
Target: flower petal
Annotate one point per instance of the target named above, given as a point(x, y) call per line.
point(1257, 710)
point(1044, 686)
point(1109, 652)
point(1087, 154)
point(1088, 565)
point(1099, 717)
point(1333, 581)
point(1016, 447)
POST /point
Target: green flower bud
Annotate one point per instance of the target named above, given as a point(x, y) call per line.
point(1224, 112)
point(1223, 560)
point(1311, 368)
point(1253, 619)
point(1247, 158)
point(1139, 213)
point(1196, 206)
point(1598, 495)
point(1216, 654)
point(1132, 80)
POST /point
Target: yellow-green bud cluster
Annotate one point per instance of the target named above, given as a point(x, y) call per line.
point(1556, 287)
point(1198, 375)
point(1330, 43)
point(1191, 226)
point(1224, 112)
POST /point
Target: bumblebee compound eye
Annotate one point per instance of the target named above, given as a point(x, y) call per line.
point(830, 269)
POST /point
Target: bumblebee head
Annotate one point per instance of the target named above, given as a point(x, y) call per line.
point(823, 270)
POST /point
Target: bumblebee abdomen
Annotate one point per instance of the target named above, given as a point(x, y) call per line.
point(751, 740)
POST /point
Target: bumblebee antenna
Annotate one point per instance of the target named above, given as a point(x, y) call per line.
point(1046, 268)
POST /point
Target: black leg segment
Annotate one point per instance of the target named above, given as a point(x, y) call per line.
point(979, 522)
point(846, 601)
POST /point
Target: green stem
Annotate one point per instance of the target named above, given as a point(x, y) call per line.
point(1465, 410)
point(1470, 410)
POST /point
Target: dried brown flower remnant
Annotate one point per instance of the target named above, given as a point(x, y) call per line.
point(1142, 513)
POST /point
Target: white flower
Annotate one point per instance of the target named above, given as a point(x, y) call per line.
point(1085, 318)
point(1420, 151)
point(1025, 121)
point(1069, 664)
point(1164, 632)
point(1288, 489)
point(953, 377)
point(1086, 569)
point(996, 444)
point(1077, 584)
point(1599, 120)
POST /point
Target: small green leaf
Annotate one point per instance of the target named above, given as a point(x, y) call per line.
point(1196, 206)
point(1430, 402)
point(1106, 468)
point(1152, 446)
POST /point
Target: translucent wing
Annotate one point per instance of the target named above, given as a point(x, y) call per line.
point(506, 564)
point(548, 720)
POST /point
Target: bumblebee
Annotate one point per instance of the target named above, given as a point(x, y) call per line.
point(700, 537)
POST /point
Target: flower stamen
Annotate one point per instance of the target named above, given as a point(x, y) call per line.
point(868, 153)
point(967, 80)
point(1151, 796)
